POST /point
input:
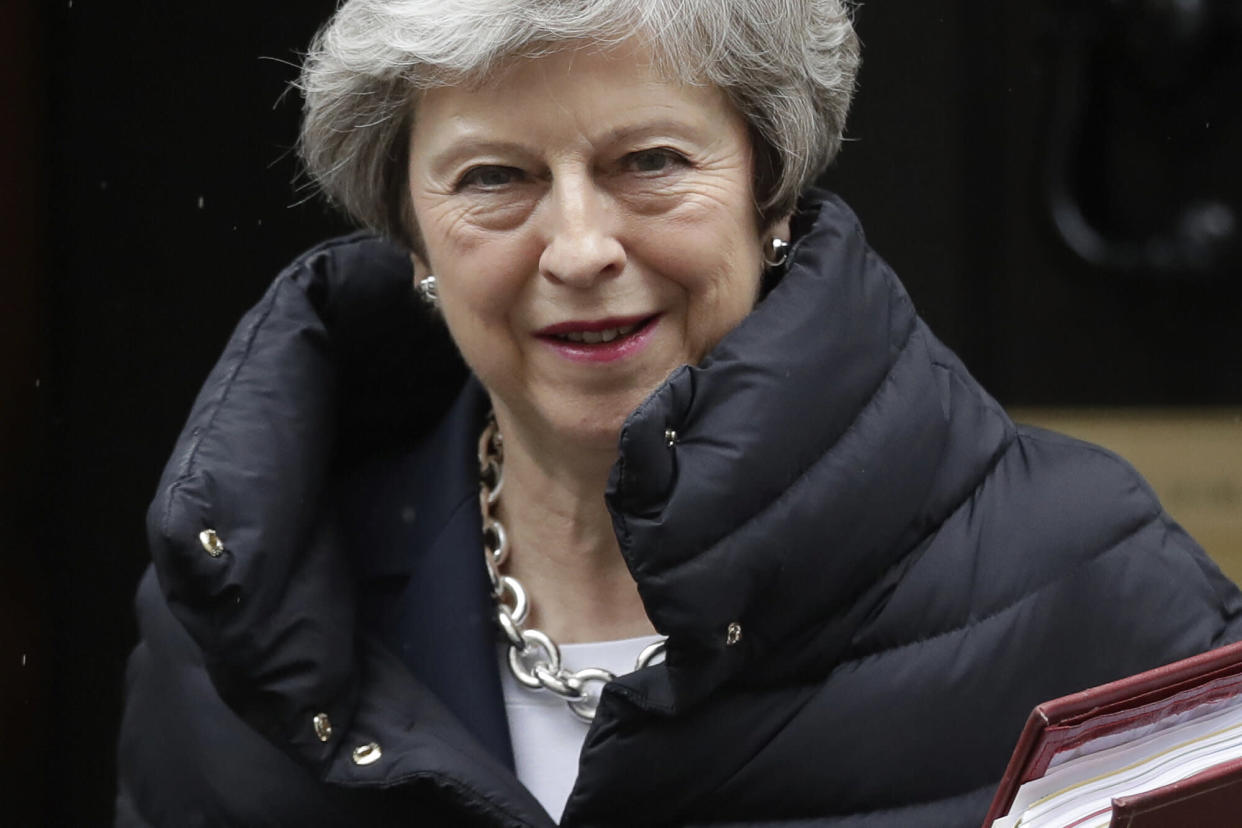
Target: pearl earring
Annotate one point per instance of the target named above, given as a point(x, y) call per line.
point(427, 291)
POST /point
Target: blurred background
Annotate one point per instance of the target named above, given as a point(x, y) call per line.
point(1058, 183)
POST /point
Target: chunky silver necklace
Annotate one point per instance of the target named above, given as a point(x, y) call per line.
point(534, 658)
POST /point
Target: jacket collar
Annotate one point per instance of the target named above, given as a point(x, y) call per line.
point(412, 526)
point(816, 446)
point(335, 363)
point(403, 503)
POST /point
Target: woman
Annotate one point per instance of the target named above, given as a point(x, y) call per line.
point(697, 408)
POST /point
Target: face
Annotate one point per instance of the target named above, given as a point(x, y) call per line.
point(591, 227)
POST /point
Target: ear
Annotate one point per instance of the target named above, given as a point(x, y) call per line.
point(421, 269)
point(780, 228)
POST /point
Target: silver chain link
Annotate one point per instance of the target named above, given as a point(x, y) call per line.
point(534, 658)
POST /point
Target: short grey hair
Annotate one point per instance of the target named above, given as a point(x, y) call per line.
point(788, 66)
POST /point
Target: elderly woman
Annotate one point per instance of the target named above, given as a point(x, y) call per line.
point(712, 531)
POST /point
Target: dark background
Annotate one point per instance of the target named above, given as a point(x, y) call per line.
point(147, 201)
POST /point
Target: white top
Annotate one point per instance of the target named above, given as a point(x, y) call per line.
point(546, 735)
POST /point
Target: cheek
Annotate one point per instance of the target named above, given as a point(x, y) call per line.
point(483, 342)
point(449, 238)
point(711, 258)
point(482, 275)
point(726, 273)
point(720, 306)
point(472, 309)
point(736, 299)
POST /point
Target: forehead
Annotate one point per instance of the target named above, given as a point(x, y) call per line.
point(595, 91)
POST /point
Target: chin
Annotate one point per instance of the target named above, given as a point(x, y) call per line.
point(596, 430)
point(593, 422)
point(568, 420)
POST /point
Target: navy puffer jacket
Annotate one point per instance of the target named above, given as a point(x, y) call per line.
point(910, 571)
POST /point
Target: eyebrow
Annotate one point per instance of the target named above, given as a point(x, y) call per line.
point(661, 126)
point(440, 162)
point(470, 145)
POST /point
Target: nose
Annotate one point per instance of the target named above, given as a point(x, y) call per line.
point(581, 243)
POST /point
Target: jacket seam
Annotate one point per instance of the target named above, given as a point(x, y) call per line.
point(188, 467)
point(772, 737)
point(1080, 564)
point(892, 810)
point(989, 786)
point(288, 276)
point(1053, 438)
point(984, 475)
point(475, 798)
point(796, 482)
point(1227, 616)
point(1162, 515)
point(819, 683)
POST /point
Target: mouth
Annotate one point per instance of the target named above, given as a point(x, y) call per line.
point(601, 339)
point(601, 331)
point(595, 337)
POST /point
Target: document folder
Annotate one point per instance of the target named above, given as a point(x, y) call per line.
point(1160, 748)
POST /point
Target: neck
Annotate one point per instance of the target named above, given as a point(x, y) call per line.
point(562, 546)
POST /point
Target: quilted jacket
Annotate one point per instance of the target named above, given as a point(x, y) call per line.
point(910, 572)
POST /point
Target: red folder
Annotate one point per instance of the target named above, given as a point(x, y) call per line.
point(1210, 798)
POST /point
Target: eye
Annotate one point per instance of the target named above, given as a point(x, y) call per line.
point(657, 160)
point(488, 177)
